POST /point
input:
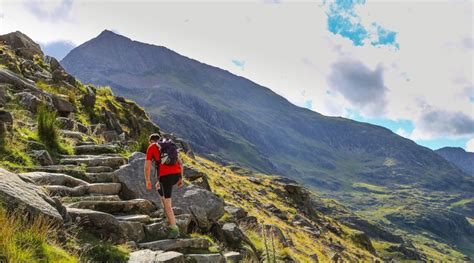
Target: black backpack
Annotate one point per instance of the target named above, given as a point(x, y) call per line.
point(168, 152)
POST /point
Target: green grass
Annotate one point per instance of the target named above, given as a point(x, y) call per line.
point(93, 249)
point(22, 241)
point(462, 202)
point(48, 128)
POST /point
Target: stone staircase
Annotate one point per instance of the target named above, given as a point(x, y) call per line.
point(84, 183)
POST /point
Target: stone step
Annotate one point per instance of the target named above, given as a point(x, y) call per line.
point(85, 143)
point(135, 218)
point(128, 207)
point(96, 149)
point(205, 258)
point(69, 199)
point(147, 256)
point(98, 160)
point(106, 177)
point(71, 170)
point(177, 244)
point(105, 188)
point(99, 169)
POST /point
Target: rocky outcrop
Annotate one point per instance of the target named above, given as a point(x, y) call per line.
point(16, 195)
point(103, 225)
point(132, 179)
point(22, 44)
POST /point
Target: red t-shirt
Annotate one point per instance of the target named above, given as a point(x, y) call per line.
point(153, 153)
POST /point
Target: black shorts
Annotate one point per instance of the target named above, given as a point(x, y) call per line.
point(166, 184)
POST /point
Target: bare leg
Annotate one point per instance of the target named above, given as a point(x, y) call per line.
point(168, 211)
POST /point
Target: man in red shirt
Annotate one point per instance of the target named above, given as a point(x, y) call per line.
point(168, 175)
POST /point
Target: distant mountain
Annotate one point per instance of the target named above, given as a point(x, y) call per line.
point(231, 119)
point(459, 157)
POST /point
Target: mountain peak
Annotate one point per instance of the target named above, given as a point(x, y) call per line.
point(452, 149)
point(109, 34)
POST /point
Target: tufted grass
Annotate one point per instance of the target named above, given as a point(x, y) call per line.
point(22, 241)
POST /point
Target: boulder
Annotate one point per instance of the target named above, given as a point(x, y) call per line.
point(102, 225)
point(134, 218)
point(170, 257)
point(146, 256)
point(199, 216)
point(43, 157)
point(249, 221)
point(71, 170)
point(53, 63)
point(232, 257)
point(183, 221)
point(133, 230)
point(88, 100)
point(191, 174)
point(236, 212)
point(20, 83)
point(17, 195)
point(105, 188)
point(28, 101)
point(46, 178)
point(233, 235)
point(6, 117)
point(156, 231)
point(183, 197)
point(62, 105)
point(205, 258)
point(22, 45)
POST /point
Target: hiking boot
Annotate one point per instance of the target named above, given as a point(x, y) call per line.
point(174, 232)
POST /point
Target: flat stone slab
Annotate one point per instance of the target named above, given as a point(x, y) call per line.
point(205, 258)
point(99, 169)
point(135, 206)
point(96, 149)
point(69, 199)
point(71, 170)
point(149, 256)
point(177, 244)
point(106, 177)
point(135, 218)
point(98, 160)
point(105, 188)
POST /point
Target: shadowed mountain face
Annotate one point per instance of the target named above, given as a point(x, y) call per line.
point(230, 118)
point(459, 157)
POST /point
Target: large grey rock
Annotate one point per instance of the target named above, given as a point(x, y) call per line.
point(133, 230)
point(62, 105)
point(18, 195)
point(177, 244)
point(131, 178)
point(232, 233)
point(136, 206)
point(103, 225)
point(22, 45)
point(28, 101)
point(205, 258)
point(88, 100)
point(134, 218)
point(43, 157)
point(45, 178)
point(156, 231)
point(20, 83)
point(236, 212)
point(199, 216)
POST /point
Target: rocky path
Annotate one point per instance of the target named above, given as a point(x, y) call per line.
point(85, 185)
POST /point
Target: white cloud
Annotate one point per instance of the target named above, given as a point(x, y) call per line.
point(288, 48)
point(470, 145)
point(403, 133)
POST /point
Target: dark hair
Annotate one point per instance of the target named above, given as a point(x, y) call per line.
point(154, 137)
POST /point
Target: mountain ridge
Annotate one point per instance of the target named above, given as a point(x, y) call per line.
point(461, 158)
point(233, 120)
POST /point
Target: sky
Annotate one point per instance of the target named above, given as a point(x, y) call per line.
point(404, 65)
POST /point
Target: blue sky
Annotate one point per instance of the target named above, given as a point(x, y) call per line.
point(372, 61)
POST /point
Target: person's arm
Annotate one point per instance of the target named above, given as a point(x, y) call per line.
point(146, 171)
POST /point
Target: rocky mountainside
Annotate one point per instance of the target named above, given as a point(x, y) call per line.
point(68, 162)
point(459, 157)
point(229, 119)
